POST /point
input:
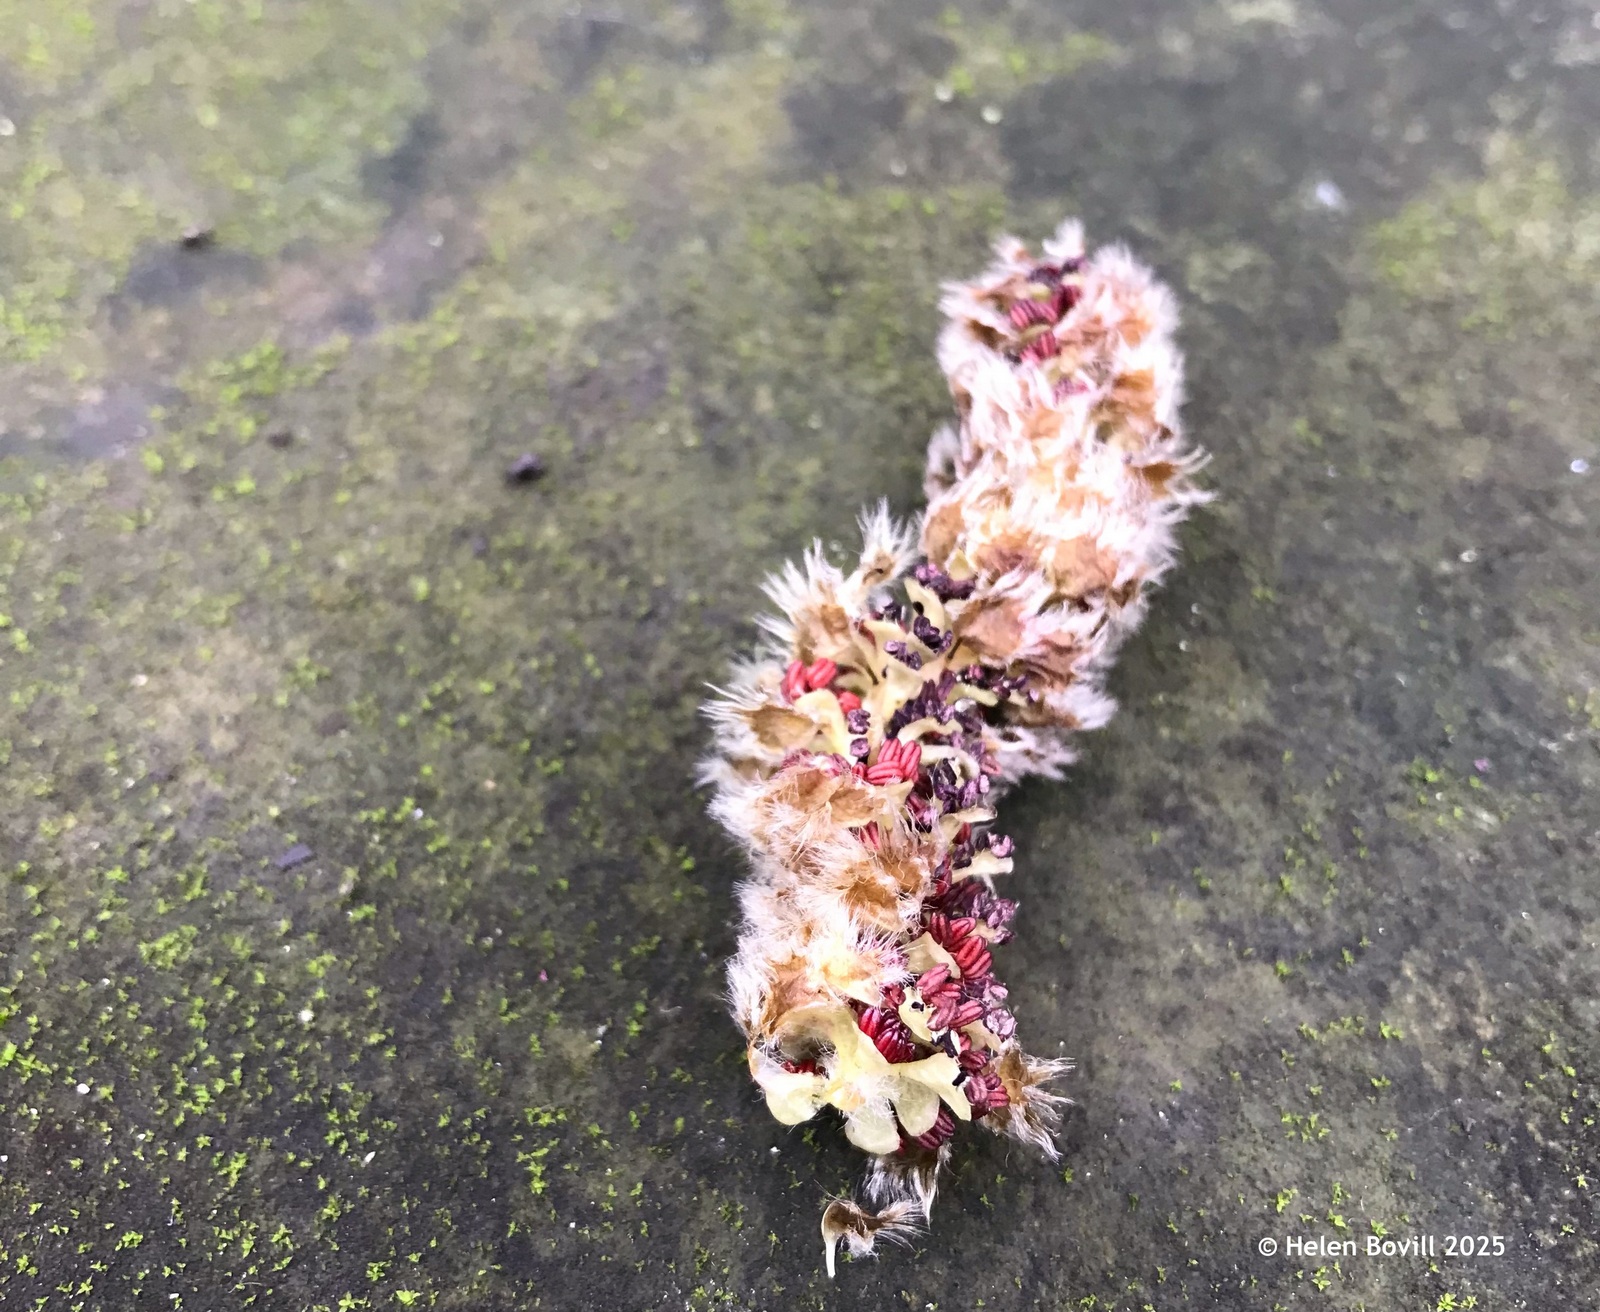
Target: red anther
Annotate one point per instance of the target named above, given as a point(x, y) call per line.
point(956, 932)
point(848, 702)
point(800, 1067)
point(938, 925)
point(972, 1061)
point(883, 773)
point(889, 752)
point(972, 957)
point(894, 995)
point(963, 835)
point(1040, 348)
point(859, 769)
point(969, 1011)
point(944, 1126)
point(1065, 298)
point(1029, 311)
point(794, 680)
point(985, 1092)
point(981, 964)
point(910, 759)
point(820, 673)
point(888, 1034)
point(929, 981)
point(868, 834)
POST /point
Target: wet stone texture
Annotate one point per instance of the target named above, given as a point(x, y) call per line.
point(361, 927)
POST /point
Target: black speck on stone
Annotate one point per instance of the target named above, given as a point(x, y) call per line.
point(293, 857)
point(196, 237)
point(526, 468)
point(281, 438)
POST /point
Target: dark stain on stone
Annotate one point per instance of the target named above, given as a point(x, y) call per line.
point(405, 172)
point(930, 51)
point(333, 723)
point(110, 421)
point(836, 124)
point(354, 314)
point(582, 41)
point(171, 273)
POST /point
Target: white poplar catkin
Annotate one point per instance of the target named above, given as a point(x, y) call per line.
point(859, 755)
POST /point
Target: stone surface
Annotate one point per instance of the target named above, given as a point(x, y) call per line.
point(1316, 916)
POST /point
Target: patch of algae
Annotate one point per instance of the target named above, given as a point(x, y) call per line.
point(52, 44)
point(993, 61)
point(1500, 274)
point(471, 1041)
point(1391, 1014)
point(130, 127)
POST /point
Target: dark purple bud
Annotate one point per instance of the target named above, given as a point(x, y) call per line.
point(860, 748)
point(1001, 845)
point(903, 654)
point(929, 634)
point(858, 721)
point(1001, 1023)
point(941, 584)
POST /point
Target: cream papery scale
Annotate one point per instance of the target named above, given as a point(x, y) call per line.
point(860, 754)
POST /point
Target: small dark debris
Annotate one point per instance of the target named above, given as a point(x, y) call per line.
point(526, 468)
point(197, 237)
point(336, 722)
point(294, 856)
point(281, 438)
point(480, 546)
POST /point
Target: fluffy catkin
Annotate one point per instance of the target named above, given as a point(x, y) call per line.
point(860, 754)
